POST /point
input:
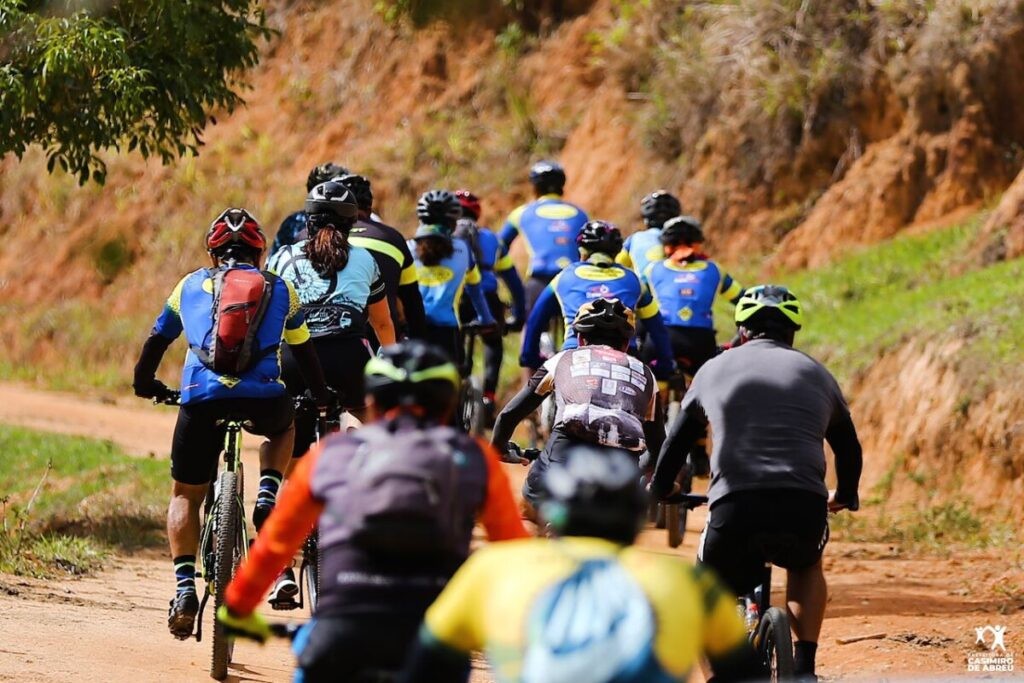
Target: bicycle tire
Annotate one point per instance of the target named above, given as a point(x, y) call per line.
point(311, 568)
point(224, 567)
point(774, 644)
point(476, 398)
point(672, 413)
point(672, 523)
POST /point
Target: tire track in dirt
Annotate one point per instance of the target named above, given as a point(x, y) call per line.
point(111, 626)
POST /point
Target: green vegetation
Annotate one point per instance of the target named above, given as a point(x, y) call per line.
point(80, 77)
point(67, 502)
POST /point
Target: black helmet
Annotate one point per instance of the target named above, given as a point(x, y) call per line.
point(600, 237)
point(323, 173)
point(413, 373)
point(440, 207)
point(605, 319)
point(658, 207)
point(548, 176)
point(681, 230)
point(594, 492)
point(330, 202)
point(359, 186)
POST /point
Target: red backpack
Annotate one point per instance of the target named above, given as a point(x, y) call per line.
point(240, 300)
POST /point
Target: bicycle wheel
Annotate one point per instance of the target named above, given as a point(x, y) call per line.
point(774, 644)
point(476, 403)
point(311, 568)
point(226, 557)
point(672, 523)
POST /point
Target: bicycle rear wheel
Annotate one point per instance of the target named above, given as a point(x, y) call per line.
point(774, 644)
point(311, 568)
point(225, 560)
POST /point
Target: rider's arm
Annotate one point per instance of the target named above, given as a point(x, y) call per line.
point(688, 427)
point(510, 230)
point(508, 274)
point(476, 296)
point(409, 295)
point(166, 329)
point(730, 289)
point(544, 310)
point(500, 514)
point(379, 313)
point(521, 405)
point(842, 437)
point(654, 429)
point(623, 258)
point(647, 310)
point(280, 537)
point(725, 637)
point(296, 335)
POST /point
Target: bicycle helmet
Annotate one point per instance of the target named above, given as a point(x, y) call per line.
point(333, 202)
point(360, 188)
point(470, 204)
point(413, 373)
point(594, 492)
point(604, 318)
point(681, 230)
point(600, 237)
point(764, 307)
point(232, 228)
point(439, 206)
point(426, 230)
point(658, 207)
point(323, 173)
point(547, 176)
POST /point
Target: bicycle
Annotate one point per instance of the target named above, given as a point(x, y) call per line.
point(224, 541)
point(540, 422)
point(767, 627)
point(328, 421)
point(471, 415)
point(668, 516)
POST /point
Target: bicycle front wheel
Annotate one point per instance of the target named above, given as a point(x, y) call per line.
point(774, 644)
point(225, 559)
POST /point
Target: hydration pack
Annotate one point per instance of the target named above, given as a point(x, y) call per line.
point(240, 300)
point(467, 230)
point(403, 493)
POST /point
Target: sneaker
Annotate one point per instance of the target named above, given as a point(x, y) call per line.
point(260, 514)
point(181, 617)
point(285, 591)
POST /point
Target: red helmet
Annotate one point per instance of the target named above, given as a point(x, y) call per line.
point(235, 226)
point(470, 204)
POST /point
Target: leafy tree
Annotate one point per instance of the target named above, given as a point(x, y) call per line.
point(81, 76)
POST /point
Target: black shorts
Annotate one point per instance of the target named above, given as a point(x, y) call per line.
point(746, 529)
point(343, 360)
point(448, 339)
point(557, 450)
point(198, 439)
point(691, 347)
point(532, 288)
point(341, 648)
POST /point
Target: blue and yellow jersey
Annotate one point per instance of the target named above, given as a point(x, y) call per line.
point(491, 259)
point(584, 609)
point(189, 309)
point(640, 249)
point(685, 291)
point(441, 285)
point(549, 225)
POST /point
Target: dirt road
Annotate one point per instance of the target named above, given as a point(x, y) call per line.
point(922, 611)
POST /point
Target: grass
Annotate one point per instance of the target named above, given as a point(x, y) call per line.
point(68, 502)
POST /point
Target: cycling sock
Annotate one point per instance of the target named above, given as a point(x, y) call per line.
point(803, 660)
point(270, 482)
point(185, 573)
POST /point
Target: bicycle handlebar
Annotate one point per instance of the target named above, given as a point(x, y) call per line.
point(530, 454)
point(687, 500)
point(171, 398)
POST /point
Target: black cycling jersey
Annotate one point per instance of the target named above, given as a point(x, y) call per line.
point(398, 270)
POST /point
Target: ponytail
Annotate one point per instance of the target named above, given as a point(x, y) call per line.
point(327, 250)
point(430, 251)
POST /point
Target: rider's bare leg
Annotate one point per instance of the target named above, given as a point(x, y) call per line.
point(806, 596)
point(276, 451)
point(183, 518)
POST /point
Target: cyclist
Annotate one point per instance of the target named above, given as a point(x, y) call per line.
point(375, 587)
point(770, 408)
point(645, 246)
point(234, 240)
point(391, 252)
point(549, 224)
point(586, 606)
point(603, 396)
point(486, 249)
point(685, 285)
point(445, 267)
point(293, 227)
point(595, 276)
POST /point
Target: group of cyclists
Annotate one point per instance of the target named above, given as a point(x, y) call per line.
point(348, 313)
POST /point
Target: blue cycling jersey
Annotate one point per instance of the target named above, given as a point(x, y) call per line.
point(685, 291)
point(334, 305)
point(550, 226)
point(189, 309)
point(644, 247)
point(441, 286)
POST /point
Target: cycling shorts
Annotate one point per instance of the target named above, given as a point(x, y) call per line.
point(533, 288)
point(557, 450)
point(349, 648)
point(198, 439)
point(448, 339)
point(691, 347)
point(746, 529)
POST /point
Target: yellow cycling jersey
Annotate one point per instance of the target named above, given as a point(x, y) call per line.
point(512, 599)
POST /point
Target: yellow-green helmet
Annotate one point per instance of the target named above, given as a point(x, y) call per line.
point(766, 303)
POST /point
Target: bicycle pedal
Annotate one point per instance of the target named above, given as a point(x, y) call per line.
point(284, 605)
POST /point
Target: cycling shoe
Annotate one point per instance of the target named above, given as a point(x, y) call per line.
point(283, 597)
point(181, 617)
